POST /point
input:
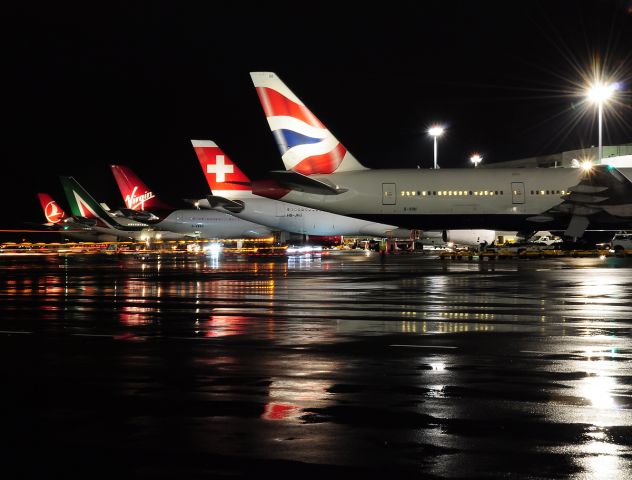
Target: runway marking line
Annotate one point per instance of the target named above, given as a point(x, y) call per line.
point(425, 346)
point(91, 335)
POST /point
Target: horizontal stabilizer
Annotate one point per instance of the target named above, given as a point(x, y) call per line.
point(221, 202)
point(303, 183)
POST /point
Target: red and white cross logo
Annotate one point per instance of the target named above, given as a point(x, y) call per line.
point(219, 169)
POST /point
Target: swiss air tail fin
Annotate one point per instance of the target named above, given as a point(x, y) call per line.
point(52, 211)
point(305, 144)
point(224, 177)
point(136, 195)
point(83, 205)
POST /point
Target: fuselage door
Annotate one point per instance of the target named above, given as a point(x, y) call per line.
point(389, 195)
point(517, 192)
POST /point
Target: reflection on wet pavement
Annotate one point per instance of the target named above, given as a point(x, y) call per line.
point(231, 366)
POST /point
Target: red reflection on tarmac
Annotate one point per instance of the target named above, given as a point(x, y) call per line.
point(222, 326)
point(135, 316)
point(280, 411)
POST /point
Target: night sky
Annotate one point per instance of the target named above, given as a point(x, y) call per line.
point(132, 84)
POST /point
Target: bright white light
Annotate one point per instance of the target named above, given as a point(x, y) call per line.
point(476, 159)
point(586, 165)
point(304, 249)
point(599, 92)
point(158, 236)
point(435, 131)
point(213, 248)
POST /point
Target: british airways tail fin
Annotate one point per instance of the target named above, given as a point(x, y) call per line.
point(52, 211)
point(305, 144)
point(224, 177)
point(136, 195)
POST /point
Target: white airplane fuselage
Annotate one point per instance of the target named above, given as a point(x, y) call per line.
point(211, 224)
point(482, 198)
point(309, 221)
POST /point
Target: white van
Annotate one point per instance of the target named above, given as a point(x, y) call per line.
point(621, 241)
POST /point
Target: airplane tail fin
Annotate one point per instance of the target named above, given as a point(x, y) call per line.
point(224, 177)
point(52, 211)
point(136, 195)
point(305, 144)
point(83, 205)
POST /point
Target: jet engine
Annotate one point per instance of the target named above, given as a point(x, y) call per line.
point(469, 238)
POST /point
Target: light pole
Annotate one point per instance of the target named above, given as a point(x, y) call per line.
point(599, 93)
point(476, 159)
point(435, 132)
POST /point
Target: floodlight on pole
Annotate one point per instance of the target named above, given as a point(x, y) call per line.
point(435, 131)
point(599, 93)
point(476, 159)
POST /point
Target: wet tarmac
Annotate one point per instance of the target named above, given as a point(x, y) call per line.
point(331, 365)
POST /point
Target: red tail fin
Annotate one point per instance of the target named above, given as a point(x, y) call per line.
point(220, 172)
point(136, 195)
point(52, 211)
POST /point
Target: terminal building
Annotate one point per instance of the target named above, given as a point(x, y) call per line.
point(619, 156)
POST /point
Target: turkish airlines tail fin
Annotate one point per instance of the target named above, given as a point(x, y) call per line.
point(52, 211)
point(306, 146)
point(136, 195)
point(224, 177)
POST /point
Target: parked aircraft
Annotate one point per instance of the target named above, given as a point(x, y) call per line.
point(67, 226)
point(87, 212)
point(232, 193)
point(323, 174)
point(142, 204)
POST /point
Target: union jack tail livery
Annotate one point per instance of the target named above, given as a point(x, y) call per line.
point(136, 194)
point(224, 178)
point(52, 211)
point(306, 146)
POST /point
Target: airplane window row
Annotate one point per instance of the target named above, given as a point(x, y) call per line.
point(548, 192)
point(450, 193)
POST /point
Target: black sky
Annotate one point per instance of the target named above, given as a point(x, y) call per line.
point(128, 83)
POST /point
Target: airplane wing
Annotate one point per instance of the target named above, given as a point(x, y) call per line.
point(604, 193)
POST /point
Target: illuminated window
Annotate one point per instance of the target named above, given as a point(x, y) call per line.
point(563, 192)
point(423, 193)
point(439, 193)
point(541, 192)
point(403, 193)
point(445, 193)
point(476, 193)
point(450, 193)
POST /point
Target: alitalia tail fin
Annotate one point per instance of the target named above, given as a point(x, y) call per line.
point(305, 144)
point(83, 205)
point(136, 195)
point(224, 177)
point(52, 211)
